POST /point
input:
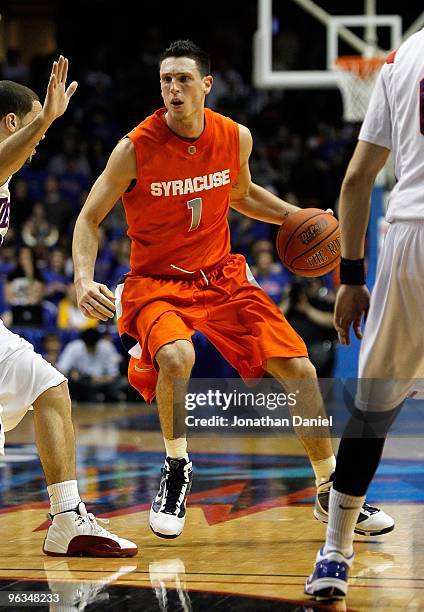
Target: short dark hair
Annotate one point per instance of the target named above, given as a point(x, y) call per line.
point(16, 98)
point(187, 48)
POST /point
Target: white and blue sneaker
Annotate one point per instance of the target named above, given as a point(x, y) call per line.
point(329, 580)
point(168, 511)
point(372, 521)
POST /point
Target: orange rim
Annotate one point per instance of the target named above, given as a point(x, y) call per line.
point(363, 67)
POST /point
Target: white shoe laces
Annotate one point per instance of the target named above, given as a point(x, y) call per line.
point(84, 517)
point(94, 523)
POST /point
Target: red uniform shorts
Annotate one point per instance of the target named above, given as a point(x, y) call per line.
point(225, 303)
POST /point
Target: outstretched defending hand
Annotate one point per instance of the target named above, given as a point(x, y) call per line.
point(352, 304)
point(57, 97)
point(95, 300)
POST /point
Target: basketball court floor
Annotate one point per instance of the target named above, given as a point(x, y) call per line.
point(250, 536)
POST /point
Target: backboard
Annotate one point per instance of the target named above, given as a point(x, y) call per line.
point(338, 28)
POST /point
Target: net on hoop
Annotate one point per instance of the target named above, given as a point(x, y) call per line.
point(356, 76)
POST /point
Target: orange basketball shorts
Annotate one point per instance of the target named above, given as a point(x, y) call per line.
point(225, 303)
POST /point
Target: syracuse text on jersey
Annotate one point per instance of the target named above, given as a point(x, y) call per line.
point(191, 185)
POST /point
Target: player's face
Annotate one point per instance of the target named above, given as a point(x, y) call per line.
point(182, 86)
point(26, 119)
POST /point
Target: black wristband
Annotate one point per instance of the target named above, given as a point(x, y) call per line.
point(352, 271)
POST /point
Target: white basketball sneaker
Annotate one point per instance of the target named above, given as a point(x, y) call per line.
point(372, 521)
point(76, 533)
point(168, 511)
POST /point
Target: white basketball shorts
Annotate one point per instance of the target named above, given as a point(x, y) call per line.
point(391, 360)
point(24, 376)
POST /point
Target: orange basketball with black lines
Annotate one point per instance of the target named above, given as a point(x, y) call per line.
point(308, 242)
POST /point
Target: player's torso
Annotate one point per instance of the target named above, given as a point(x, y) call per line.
point(177, 211)
point(4, 209)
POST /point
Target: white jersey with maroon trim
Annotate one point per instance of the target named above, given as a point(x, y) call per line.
point(395, 120)
point(4, 209)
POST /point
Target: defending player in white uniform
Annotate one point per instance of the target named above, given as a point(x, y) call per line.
point(391, 360)
point(26, 379)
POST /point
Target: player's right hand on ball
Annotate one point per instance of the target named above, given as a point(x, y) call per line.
point(95, 300)
point(57, 96)
point(352, 304)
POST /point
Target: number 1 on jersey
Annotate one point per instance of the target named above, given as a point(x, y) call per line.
point(196, 212)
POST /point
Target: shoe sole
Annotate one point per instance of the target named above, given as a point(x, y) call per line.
point(325, 589)
point(375, 533)
point(357, 530)
point(327, 594)
point(100, 551)
point(166, 536)
point(100, 554)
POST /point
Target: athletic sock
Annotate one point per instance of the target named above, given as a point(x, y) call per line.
point(343, 516)
point(323, 469)
point(176, 449)
point(63, 496)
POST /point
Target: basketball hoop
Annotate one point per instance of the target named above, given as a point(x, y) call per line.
point(356, 77)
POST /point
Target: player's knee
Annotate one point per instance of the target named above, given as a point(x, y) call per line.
point(176, 360)
point(307, 369)
point(57, 396)
point(296, 368)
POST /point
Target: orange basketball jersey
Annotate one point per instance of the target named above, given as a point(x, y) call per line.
point(177, 210)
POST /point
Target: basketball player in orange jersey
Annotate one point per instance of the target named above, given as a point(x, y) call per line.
point(178, 172)
point(26, 379)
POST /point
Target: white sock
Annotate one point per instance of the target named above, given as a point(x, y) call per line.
point(63, 496)
point(323, 469)
point(343, 515)
point(176, 449)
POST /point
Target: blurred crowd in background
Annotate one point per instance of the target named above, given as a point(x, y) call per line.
point(299, 154)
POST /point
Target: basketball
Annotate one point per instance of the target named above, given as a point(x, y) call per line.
point(308, 242)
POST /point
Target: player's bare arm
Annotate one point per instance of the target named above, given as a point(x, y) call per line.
point(95, 299)
point(15, 150)
point(251, 199)
point(352, 301)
